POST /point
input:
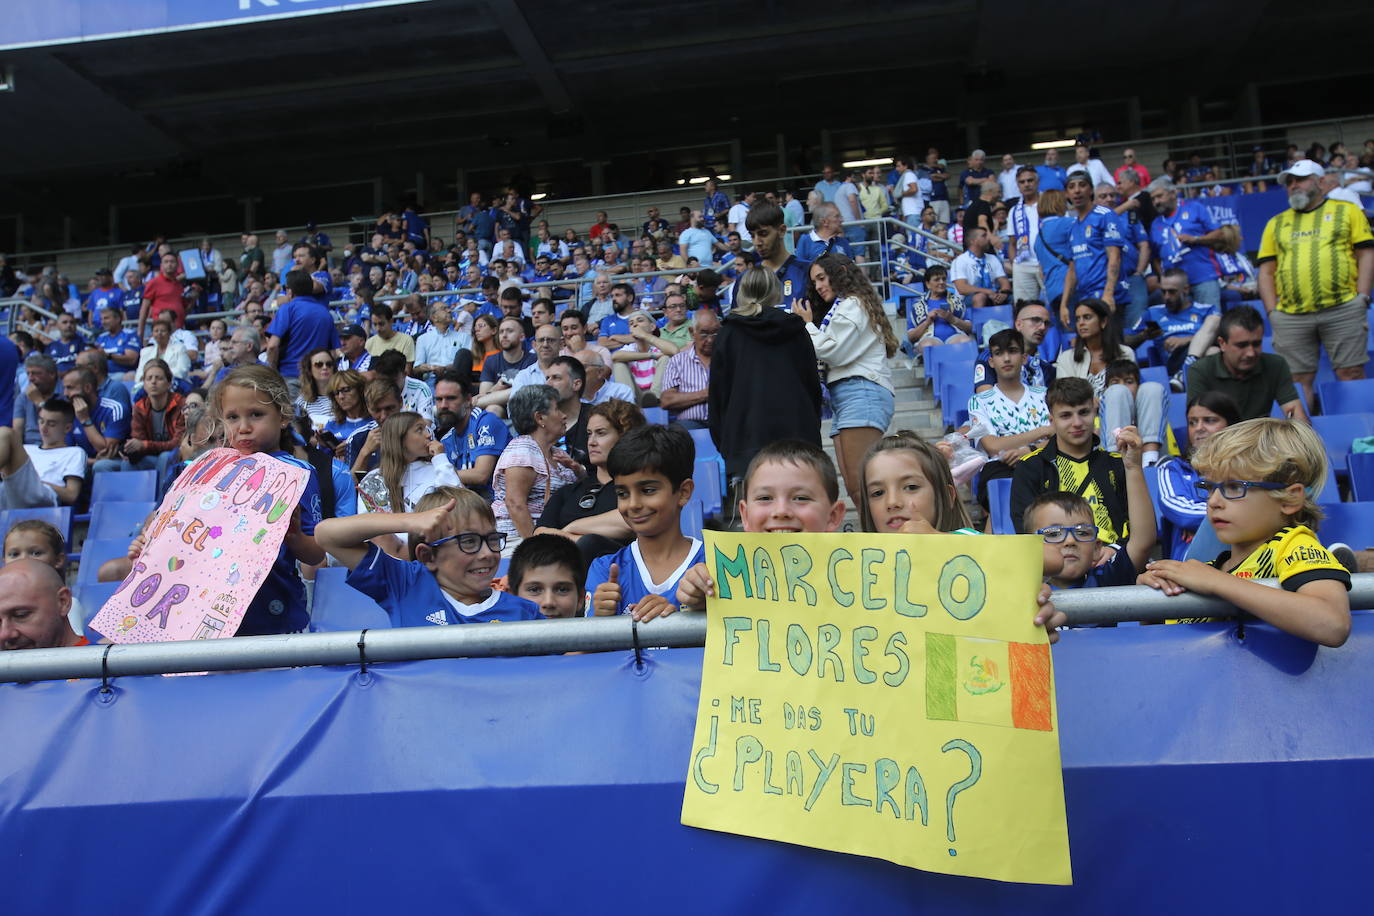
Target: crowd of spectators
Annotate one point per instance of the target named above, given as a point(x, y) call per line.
point(526, 396)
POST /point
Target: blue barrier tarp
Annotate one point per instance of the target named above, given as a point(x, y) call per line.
point(1201, 771)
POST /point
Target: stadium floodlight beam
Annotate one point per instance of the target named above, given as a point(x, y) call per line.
point(1052, 144)
point(864, 163)
point(539, 196)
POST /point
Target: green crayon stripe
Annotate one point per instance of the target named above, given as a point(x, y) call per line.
point(940, 665)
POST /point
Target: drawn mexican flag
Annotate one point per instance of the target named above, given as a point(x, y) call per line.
point(988, 681)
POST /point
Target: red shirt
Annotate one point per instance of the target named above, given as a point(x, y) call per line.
point(161, 294)
point(1140, 170)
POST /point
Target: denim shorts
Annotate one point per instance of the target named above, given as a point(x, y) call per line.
point(858, 402)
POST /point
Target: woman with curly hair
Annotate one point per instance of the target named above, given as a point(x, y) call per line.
point(854, 341)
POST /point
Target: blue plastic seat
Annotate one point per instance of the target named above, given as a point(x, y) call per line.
point(938, 359)
point(1178, 422)
point(690, 522)
point(339, 606)
point(94, 553)
point(1361, 465)
point(1158, 374)
point(93, 596)
point(704, 443)
point(980, 317)
point(113, 521)
point(1348, 523)
point(1205, 545)
point(656, 415)
point(1338, 430)
point(707, 485)
point(955, 392)
point(60, 517)
point(999, 505)
point(1346, 397)
point(124, 487)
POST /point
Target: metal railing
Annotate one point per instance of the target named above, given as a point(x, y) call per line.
point(1084, 607)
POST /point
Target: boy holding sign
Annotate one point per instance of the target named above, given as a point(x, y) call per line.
point(790, 486)
point(651, 467)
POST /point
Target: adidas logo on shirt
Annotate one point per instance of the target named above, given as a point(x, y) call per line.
point(438, 617)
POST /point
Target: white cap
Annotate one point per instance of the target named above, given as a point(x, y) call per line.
point(1303, 168)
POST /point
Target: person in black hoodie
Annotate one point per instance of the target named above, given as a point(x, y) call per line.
point(764, 382)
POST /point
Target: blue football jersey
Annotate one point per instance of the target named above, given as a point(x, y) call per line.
point(633, 576)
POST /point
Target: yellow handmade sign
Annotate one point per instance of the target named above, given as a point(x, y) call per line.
point(885, 695)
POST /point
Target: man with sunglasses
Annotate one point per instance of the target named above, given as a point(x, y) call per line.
point(1253, 379)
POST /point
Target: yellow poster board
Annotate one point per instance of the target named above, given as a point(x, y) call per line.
point(885, 695)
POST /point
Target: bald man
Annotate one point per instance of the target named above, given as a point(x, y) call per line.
point(34, 602)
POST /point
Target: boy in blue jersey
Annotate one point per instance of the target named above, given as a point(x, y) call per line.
point(457, 551)
point(1096, 244)
point(651, 468)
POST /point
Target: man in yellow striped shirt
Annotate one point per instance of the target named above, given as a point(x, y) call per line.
point(1316, 265)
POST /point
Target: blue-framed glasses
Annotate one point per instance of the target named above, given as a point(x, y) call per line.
point(1058, 534)
point(471, 542)
point(1236, 489)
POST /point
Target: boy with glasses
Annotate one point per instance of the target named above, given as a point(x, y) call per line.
point(457, 552)
point(1064, 522)
point(1262, 478)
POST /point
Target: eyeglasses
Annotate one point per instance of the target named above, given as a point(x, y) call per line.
point(1034, 319)
point(1236, 489)
point(1058, 534)
point(321, 365)
point(471, 542)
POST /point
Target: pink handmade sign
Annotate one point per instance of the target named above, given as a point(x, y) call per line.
point(207, 550)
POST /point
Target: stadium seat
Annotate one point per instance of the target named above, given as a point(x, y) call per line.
point(124, 487)
point(982, 316)
point(503, 567)
point(1346, 397)
point(1361, 465)
point(1338, 430)
point(94, 553)
point(1331, 490)
point(93, 596)
point(999, 505)
point(1348, 523)
point(693, 513)
point(60, 517)
point(1155, 374)
point(704, 443)
point(1178, 421)
point(656, 415)
point(938, 358)
point(112, 521)
point(707, 485)
point(955, 393)
point(339, 606)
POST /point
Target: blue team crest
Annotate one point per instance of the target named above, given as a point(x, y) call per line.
point(1088, 232)
point(787, 287)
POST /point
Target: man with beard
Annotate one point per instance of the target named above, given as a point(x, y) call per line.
point(1316, 265)
point(474, 439)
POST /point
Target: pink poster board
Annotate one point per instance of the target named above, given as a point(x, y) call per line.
point(209, 548)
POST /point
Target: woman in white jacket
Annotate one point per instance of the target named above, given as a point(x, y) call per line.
point(854, 342)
